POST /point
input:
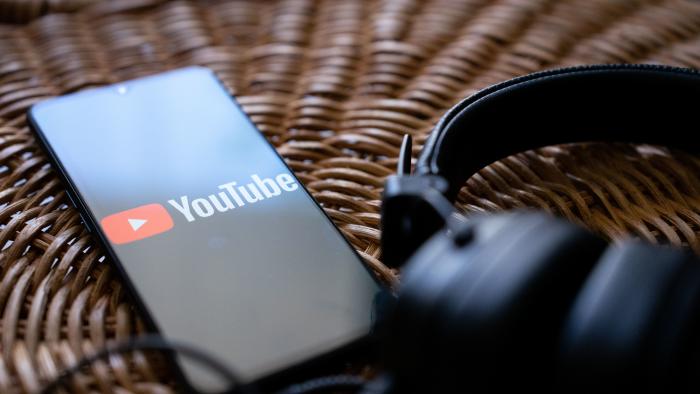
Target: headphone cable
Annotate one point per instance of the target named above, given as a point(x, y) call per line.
point(152, 342)
point(326, 382)
point(156, 342)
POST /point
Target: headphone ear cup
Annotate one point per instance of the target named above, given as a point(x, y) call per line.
point(501, 319)
point(491, 307)
point(633, 326)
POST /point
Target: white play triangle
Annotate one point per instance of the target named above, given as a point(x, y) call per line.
point(136, 223)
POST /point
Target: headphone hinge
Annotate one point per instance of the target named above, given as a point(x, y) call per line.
point(413, 209)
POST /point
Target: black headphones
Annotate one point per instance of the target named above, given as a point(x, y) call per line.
point(524, 300)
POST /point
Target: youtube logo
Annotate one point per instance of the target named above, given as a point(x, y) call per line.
point(136, 223)
point(151, 219)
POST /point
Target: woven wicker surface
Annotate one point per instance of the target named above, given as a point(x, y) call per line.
point(333, 85)
point(19, 11)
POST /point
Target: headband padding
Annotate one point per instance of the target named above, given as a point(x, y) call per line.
point(623, 103)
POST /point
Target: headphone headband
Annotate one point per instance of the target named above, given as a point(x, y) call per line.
point(615, 103)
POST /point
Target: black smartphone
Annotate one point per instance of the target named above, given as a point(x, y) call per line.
point(219, 242)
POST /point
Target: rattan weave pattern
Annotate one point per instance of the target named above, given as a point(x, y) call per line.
point(20, 11)
point(334, 85)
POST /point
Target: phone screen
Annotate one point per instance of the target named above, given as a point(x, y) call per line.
point(224, 247)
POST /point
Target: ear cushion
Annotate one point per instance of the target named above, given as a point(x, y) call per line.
point(424, 282)
point(459, 305)
point(632, 327)
point(506, 315)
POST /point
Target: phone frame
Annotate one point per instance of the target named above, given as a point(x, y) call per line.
point(271, 381)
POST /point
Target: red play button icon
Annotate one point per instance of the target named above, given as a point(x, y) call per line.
point(137, 223)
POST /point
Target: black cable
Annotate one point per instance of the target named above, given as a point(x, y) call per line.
point(152, 342)
point(156, 342)
point(381, 384)
point(325, 383)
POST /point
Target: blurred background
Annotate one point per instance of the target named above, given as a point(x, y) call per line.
point(333, 85)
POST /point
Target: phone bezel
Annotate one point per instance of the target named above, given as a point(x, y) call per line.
point(270, 381)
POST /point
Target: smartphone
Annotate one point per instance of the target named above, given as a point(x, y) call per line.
point(219, 243)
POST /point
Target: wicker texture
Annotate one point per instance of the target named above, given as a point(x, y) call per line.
point(19, 11)
point(334, 85)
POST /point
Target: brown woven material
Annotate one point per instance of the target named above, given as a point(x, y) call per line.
point(334, 85)
point(20, 11)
